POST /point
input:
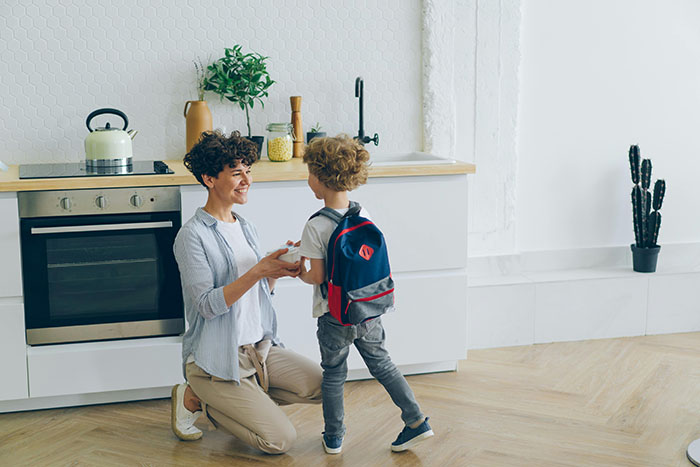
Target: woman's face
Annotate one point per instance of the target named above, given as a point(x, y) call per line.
point(231, 184)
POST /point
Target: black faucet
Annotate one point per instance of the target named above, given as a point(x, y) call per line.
point(359, 92)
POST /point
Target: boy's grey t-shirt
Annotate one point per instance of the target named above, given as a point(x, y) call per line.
point(314, 245)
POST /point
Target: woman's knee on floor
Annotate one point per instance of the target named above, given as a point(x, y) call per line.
point(279, 440)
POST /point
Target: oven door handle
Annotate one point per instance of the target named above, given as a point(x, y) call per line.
point(101, 227)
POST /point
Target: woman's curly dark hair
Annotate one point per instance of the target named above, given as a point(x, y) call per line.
point(215, 151)
point(340, 163)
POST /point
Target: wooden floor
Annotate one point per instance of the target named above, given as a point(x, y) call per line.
point(614, 402)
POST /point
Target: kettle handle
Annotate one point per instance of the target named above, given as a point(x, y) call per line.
point(106, 111)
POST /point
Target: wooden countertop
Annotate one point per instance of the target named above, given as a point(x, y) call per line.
point(263, 171)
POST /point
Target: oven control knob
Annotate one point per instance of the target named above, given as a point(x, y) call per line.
point(100, 202)
point(136, 201)
point(65, 204)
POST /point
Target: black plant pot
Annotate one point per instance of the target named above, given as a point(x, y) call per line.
point(311, 135)
point(644, 259)
point(258, 140)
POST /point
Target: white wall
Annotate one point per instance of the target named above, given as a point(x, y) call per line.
point(597, 76)
point(471, 55)
point(61, 60)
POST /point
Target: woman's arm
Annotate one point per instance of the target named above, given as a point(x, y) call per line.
point(269, 267)
point(198, 278)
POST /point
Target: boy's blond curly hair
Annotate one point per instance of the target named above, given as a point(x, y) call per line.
point(339, 162)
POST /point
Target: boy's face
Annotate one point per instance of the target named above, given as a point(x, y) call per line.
point(317, 187)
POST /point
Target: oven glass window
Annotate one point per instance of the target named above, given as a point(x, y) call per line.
point(114, 276)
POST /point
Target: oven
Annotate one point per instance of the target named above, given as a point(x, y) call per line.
point(99, 264)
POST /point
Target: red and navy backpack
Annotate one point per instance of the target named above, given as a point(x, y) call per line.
point(358, 277)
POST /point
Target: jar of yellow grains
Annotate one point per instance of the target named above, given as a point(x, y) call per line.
point(279, 141)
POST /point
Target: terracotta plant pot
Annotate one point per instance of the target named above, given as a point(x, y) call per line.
point(197, 121)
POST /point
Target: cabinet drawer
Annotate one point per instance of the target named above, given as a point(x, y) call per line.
point(10, 273)
point(56, 370)
point(13, 350)
point(428, 326)
point(424, 219)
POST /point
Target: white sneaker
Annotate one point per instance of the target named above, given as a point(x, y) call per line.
point(181, 419)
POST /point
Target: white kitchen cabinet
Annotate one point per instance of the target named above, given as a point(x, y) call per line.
point(424, 220)
point(10, 272)
point(90, 367)
point(429, 323)
point(13, 350)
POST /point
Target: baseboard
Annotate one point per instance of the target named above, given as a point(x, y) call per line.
point(417, 369)
point(38, 403)
point(554, 296)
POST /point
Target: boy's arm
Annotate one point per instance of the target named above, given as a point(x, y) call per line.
point(316, 273)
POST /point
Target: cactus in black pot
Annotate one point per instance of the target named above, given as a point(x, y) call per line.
point(645, 208)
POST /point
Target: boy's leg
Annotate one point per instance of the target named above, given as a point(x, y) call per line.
point(370, 344)
point(334, 342)
point(293, 378)
point(243, 410)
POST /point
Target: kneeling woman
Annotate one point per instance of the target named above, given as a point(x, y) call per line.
point(236, 369)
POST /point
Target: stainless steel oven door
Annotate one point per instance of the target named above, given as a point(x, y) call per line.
point(99, 277)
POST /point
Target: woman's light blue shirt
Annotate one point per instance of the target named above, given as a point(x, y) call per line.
point(207, 263)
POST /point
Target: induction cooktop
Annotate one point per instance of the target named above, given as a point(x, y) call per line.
point(80, 169)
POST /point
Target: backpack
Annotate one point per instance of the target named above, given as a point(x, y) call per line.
point(358, 277)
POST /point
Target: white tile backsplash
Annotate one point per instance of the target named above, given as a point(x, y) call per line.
point(59, 61)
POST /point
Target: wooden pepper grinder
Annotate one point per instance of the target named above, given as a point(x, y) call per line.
point(298, 147)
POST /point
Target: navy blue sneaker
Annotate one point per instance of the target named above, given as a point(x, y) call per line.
point(332, 444)
point(411, 436)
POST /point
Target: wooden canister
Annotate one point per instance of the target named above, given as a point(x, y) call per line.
point(298, 145)
point(197, 121)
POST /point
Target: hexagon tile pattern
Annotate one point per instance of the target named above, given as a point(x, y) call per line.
point(61, 60)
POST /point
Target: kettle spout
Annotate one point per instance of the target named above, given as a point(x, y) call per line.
point(132, 133)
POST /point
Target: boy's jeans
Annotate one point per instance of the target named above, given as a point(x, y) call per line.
point(334, 340)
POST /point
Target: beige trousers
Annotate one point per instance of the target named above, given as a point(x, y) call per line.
point(245, 410)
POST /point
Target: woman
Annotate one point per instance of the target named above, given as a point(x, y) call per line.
point(236, 369)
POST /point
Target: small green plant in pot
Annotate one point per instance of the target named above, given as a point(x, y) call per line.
point(242, 79)
point(315, 132)
point(645, 209)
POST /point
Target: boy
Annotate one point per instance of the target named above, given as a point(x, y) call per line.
point(336, 166)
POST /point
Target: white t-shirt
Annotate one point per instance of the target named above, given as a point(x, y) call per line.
point(250, 328)
point(314, 245)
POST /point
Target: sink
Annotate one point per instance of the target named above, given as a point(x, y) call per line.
point(407, 158)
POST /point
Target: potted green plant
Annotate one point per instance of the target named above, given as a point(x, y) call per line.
point(315, 132)
point(242, 79)
point(645, 208)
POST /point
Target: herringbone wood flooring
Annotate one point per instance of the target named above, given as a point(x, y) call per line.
point(614, 402)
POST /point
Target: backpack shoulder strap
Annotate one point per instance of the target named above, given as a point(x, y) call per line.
point(332, 214)
point(354, 209)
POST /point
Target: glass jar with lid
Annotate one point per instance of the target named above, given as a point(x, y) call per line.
point(279, 141)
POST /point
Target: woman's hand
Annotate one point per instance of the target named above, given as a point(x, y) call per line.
point(273, 268)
